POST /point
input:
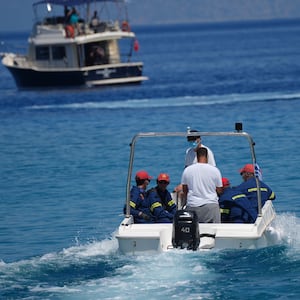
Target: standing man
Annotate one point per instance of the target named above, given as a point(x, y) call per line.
point(201, 183)
point(190, 154)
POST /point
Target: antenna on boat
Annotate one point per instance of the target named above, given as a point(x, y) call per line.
point(239, 128)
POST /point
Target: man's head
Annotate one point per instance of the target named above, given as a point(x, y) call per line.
point(247, 171)
point(163, 181)
point(202, 154)
point(142, 177)
point(194, 139)
point(225, 182)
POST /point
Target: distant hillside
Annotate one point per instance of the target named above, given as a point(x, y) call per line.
point(185, 11)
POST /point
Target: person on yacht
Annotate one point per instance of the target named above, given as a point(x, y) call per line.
point(95, 21)
point(73, 17)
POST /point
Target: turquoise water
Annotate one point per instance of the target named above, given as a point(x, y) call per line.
point(64, 157)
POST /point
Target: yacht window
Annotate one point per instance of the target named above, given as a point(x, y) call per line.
point(58, 52)
point(42, 53)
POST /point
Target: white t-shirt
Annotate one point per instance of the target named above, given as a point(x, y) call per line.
point(202, 180)
point(191, 157)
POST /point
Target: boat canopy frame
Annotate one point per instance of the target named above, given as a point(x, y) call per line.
point(73, 2)
point(121, 7)
point(238, 133)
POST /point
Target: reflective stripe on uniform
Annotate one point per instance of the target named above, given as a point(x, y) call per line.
point(155, 205)
point(255, 189)
point(238, 196)
point(132, 204)
point(272, 196)
point(171, 202)
point(225, 211)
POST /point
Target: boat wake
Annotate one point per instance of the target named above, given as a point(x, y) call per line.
point(288, 226)
point(172, 101)
point(57, 273)
point(87, 271)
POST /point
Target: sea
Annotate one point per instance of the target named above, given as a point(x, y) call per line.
point(64, 156)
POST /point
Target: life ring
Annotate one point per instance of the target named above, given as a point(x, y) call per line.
point(125, 26)
point(70, 33)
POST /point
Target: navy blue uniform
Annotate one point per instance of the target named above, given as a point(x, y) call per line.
point(235, 207)
point(250, 190)
point(139, 203)
point(162, 206)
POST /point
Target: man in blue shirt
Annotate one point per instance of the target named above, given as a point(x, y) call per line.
point(234, 205)
point(162, 206)
point(139, 204)
point(249, 187)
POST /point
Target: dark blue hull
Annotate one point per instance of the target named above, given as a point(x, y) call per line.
point(30, 78)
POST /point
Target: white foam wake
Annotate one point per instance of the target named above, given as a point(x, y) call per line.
point(172, 102)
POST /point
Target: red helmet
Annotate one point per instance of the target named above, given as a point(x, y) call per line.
point(225, 182)
point(248, 168)
point(142, 175)
point(163, 177)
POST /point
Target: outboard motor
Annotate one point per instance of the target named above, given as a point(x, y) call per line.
point(185, 230)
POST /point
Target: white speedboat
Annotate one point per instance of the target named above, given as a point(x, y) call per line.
point(184, 232)
point(89, 51)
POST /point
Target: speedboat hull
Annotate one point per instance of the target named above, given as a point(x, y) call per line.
point(137, 239)
point(185, 232)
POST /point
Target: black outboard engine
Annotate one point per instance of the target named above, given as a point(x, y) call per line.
point(185, 230)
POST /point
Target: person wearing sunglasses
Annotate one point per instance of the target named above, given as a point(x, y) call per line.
point(162, 206)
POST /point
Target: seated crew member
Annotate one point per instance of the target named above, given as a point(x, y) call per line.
point(139, 204)
point(96, 56)
point(99, 55)
point(234, 206)
point(162, 206)
point(249, 188)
